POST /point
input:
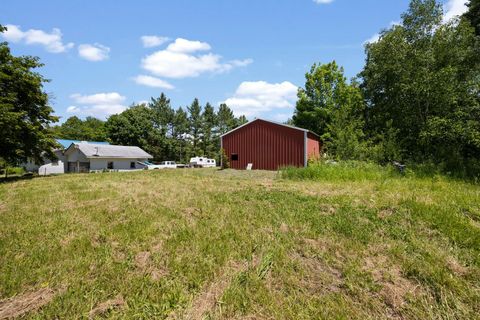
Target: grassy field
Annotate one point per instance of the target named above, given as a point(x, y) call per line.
point(331, 242)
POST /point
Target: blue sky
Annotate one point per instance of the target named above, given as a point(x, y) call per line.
point(102, 56)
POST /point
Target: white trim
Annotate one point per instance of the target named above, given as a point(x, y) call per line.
point(273, 122)
point(305, 146)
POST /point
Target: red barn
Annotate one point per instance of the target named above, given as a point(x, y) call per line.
point(270, 145)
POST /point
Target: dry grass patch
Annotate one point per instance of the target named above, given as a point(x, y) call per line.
point(24, 303)
point(205, 302)
point(104, 307)
point(395, 288)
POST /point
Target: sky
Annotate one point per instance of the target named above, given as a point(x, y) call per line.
point(103, 56)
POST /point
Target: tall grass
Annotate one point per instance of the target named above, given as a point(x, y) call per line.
point(341, 171)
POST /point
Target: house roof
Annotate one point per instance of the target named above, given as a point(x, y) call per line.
point(91, 150)
point(65, 143)
point(273, 122)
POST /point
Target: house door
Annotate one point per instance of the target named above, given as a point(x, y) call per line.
point(72, 167)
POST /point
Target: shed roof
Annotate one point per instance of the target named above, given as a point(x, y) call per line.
point(273, 122)
point(111, 151)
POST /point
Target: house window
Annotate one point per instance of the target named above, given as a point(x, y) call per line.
point(110, 165)
point(132, 165)
point(234, 157)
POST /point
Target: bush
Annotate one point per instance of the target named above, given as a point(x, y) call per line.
point(13, 171)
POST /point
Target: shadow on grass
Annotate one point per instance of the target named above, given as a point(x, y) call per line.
point(15, 178)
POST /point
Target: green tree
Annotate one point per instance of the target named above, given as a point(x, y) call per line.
point(91, 129)
point(241, 120)
point(95, 129)
point(209, 134)
point(135, 127)
point(226, 119)
point(473, 15)
point(331, 107)
point(196, 121)
point(163, 115)
point(422, 77)
point(345, 138)
point(25, 115)
point(181, 129)
point(324, 92)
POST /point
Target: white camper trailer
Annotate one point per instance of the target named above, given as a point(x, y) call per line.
point(202, 162)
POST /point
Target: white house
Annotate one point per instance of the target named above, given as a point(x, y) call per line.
point(56, 166)
point(86, 157)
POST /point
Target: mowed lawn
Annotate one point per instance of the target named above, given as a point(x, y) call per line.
point(203, 243)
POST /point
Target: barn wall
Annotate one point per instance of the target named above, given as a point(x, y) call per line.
point(314, 146)
point(267, 145)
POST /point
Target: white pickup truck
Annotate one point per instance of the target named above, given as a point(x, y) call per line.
point(162, 165)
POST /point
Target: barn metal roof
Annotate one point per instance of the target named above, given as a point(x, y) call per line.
point(273, 122)
point(111, 151)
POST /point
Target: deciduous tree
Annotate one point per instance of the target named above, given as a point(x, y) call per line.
point(25, 113)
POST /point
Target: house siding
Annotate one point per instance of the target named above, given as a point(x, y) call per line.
point(118, 164)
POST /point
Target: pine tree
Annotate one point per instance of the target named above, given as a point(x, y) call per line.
point(225, 118)
point(162, 121)
point(180, 132)
point(209, 131)
point(196, 121)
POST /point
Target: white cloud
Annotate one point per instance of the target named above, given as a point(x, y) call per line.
point(454, 8)
point(97, 105)
point(150, 81)
point(95, 52)
point(323, 1)
point(51, 41)
point(73, 109)
point(258, 97)
point(182, 60)
point(153, 41)
point(187, 46)
point(376, 36)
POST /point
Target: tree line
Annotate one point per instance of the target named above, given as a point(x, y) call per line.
point(416, 100)
point(166, 133)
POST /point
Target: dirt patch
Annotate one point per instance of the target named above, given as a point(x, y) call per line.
point(104, 307)
point(284, 228)
point(318, 277)
point(207, 299)
point(192, 214)
point(395, 288)
point(322, 245)
point(158, 247)
point(144, 264)
point(142, 260)
point(24, 303)
point(456, 267)
point(385, 213)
